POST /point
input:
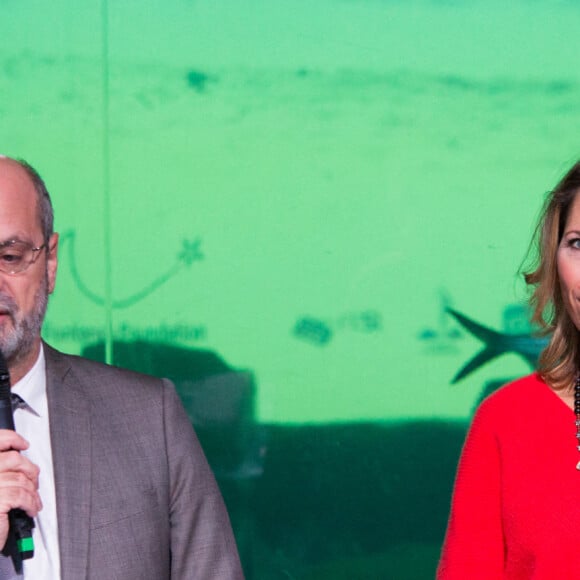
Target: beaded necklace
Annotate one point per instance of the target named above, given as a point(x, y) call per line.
point(577, 413)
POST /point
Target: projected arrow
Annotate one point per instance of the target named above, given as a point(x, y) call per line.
point(189, 253)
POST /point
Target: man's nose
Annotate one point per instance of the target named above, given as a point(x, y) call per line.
point(5, 286)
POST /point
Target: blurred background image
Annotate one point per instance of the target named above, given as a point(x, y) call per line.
point(311, 216)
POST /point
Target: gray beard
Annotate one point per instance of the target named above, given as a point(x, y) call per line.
point(17, 342)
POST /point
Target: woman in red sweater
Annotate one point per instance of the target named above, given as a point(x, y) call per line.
point(515, 512)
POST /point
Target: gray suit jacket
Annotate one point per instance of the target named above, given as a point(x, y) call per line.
point(134, 494)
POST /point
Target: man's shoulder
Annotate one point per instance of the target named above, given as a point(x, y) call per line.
point(60, 366)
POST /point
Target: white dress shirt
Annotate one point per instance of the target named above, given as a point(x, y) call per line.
point(32, 422)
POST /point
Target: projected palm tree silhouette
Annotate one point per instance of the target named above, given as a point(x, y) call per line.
point(527, 345)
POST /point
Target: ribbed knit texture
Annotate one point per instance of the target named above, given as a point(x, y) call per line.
point(515, 511)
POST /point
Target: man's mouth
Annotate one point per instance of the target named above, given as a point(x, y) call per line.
point(5, 313)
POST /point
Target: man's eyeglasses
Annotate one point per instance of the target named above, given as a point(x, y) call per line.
point(16, 256)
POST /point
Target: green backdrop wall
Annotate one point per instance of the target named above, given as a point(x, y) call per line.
point(278, 204)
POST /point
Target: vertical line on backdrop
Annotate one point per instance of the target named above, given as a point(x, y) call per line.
point(107, 184)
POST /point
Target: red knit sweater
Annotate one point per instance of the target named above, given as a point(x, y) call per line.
point(515, 512)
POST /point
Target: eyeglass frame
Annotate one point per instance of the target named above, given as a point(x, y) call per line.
point(36, 253)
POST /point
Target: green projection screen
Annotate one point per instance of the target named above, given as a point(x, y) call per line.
point(326, 199)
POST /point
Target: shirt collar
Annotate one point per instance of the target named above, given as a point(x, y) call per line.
point(32, 386)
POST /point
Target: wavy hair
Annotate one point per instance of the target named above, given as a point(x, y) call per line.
point(558, 364)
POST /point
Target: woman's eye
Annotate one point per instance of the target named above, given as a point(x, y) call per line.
point(574, 243)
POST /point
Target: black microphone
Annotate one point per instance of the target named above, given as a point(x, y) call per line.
point(21, 524)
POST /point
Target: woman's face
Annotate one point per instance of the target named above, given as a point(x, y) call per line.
point(569, 263)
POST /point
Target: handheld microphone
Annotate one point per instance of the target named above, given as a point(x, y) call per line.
point(21, 524)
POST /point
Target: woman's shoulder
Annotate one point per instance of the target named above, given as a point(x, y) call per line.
point(529, 385)
point(526, 394)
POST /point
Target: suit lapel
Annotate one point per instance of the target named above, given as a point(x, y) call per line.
point(70, 433)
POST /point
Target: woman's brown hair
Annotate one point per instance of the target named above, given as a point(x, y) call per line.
point(558, 363)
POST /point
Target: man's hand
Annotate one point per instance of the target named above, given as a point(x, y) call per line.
point(18, 480)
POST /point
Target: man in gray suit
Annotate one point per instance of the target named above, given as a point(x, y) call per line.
point(104, 460)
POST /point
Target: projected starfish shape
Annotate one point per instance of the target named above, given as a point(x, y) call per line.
point(190, 251)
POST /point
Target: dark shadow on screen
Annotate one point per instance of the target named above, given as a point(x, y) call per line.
point(349, 501)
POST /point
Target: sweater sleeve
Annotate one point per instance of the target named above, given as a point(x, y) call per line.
point(474, 543)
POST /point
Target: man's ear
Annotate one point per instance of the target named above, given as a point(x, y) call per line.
point(52, 261)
